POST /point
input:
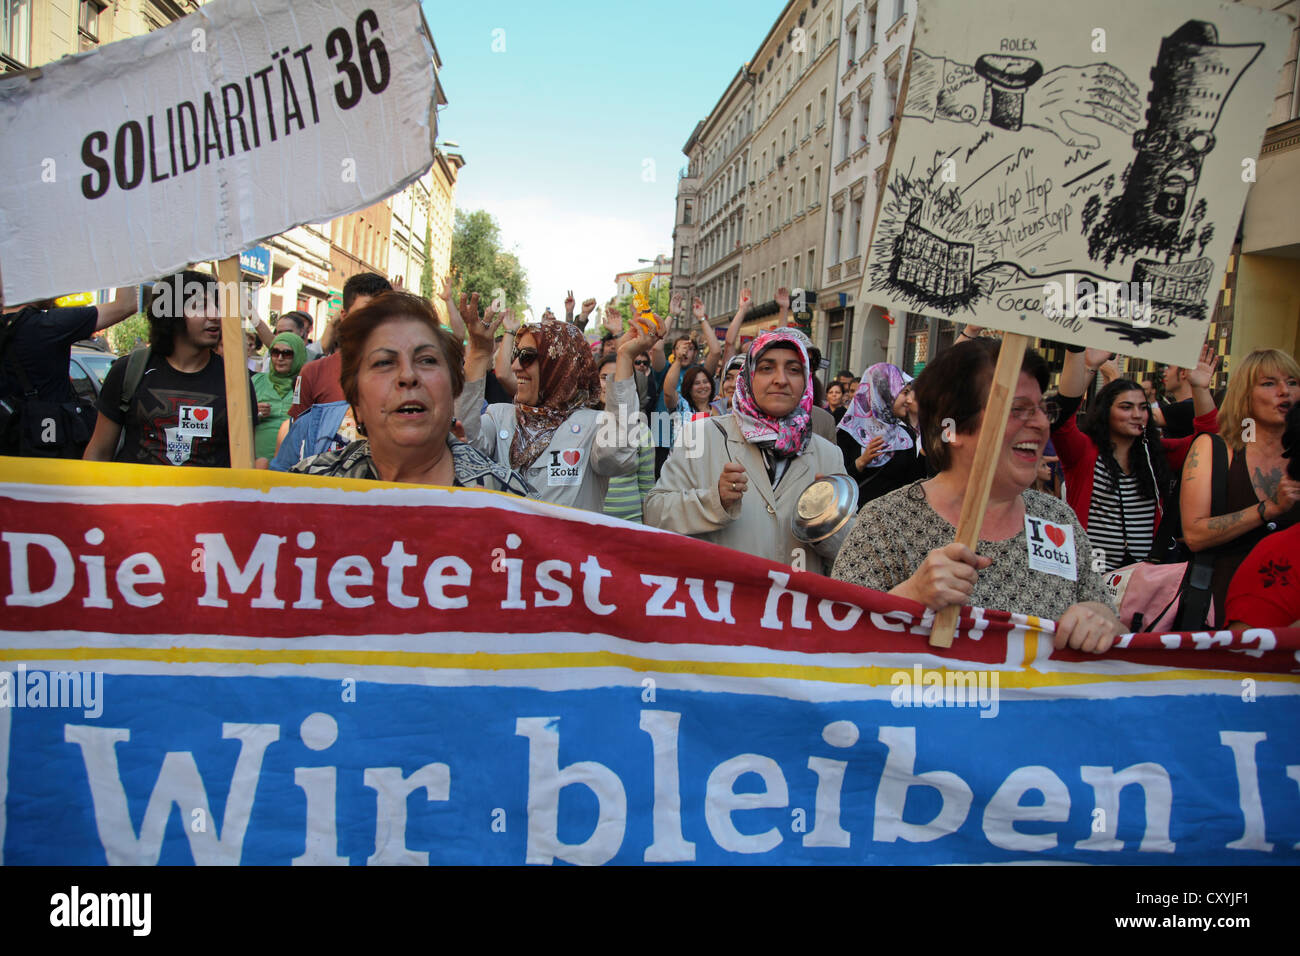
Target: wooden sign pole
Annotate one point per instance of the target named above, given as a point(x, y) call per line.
point(987, 452)
point(239, 417)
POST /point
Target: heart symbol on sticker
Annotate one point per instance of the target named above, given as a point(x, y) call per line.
point(572, 456)
point(200, 413)
point(1056, 534)
point(1115, 581)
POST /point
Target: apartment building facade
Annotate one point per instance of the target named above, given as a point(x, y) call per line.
point(721, 151)
point(785, 218)
point(872, 57)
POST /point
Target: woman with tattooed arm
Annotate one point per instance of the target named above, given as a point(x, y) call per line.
point(1260, 497)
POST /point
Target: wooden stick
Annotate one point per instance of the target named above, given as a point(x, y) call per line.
point(239, 417)
point(987, 452)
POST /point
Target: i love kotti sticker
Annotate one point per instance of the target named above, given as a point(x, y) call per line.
point(565, 467)
point(195, 421)
point(1051, 548)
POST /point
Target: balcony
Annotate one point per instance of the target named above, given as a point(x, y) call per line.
point(897, 28)
point(843, 164)
point(833, 274)
point(871, 52)
point(851, 266)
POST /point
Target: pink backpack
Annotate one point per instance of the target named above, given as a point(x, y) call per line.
point(1149, 596)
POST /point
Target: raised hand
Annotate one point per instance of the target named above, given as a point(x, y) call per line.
point(783, 298)
point(613, 318)
point(468, 309)
point(1096, 358)
point(745, 301)
point(676, 302)
point(510, 322)
point(481, 331)
point(697, 309)
point(446, 288)
point(871, 452)
point(588, 307)
point(947, 576)
point(1203, 374)
point(569, 302)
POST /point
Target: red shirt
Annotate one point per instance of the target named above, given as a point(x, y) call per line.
point(1265, 591)
point(318, 383)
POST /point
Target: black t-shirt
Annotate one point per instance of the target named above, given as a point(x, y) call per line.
point(42, 345)
point(1179, 418)
point(176, 418)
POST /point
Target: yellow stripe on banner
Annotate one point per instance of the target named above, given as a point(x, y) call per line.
point(869, 676)
point(53, 471)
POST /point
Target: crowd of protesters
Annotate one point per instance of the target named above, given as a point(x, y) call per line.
point(707, 437)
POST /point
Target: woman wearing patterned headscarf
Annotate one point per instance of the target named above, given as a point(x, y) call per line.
point(735, 479)
point(878, 434)
point(550, 433)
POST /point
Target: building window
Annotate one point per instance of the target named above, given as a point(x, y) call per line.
point(866, 115)
point(899, 8)
point(813, 46)
point(686, 216)
point(837, 233)
point(783, 143)
point(803, 193)
point(789, 72)
point(807, 120)
point(855, 223)
point(871, 26)
point(830, 27)
point(794, 132)
point(812, 269)
point(851, 48)
point(847, 117)
point(821, 108)
point(88, 20)
point(780, 210)
point(817, 184)
point(891, 93)
point(789, 200)
point(17, 30)
point(795, 271)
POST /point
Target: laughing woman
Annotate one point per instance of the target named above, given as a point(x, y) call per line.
point(555, 434)
point(904, 542)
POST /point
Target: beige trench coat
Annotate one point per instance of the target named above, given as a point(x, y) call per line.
point(686, 498)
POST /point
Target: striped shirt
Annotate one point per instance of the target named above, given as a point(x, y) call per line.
point(627, 492)
point(1120, 519)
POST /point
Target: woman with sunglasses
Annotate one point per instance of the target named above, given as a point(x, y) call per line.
point(274, 389)
point(555, 433)
point(1119, 473)
point(1033, 556)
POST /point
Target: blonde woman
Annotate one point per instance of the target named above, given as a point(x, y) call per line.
point(1260, 498)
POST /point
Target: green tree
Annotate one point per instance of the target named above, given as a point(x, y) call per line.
point(481, 265)
point(123, 336)
point(426, 273)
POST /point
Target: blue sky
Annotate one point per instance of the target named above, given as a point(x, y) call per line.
point(556, 129)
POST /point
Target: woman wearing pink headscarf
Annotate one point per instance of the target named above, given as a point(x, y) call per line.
point(735, 479)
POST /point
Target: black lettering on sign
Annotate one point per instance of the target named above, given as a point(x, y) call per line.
point(374, 55)
point(91, 187)
point(129, 137)
point(339, 44)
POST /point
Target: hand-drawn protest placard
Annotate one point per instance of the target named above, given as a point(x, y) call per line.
point(195, 141)
point(1075, 172)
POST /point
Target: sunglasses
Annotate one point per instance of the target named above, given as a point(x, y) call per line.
point(642, 363)
point(282, 353)
point(525, 357)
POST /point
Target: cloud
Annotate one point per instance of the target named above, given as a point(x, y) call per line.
point(562, 249)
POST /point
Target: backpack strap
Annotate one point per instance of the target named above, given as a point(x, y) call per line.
point(135, 369)
point(1195, 608)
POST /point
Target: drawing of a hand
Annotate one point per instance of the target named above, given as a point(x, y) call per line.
point(1068, 99)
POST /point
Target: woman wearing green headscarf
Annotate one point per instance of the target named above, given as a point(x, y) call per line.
point(275, 390)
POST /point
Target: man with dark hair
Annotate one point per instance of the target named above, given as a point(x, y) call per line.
point(318, 382)
point(176, 413)
point(39, 412)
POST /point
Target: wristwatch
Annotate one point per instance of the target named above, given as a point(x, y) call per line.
point(1008, 77)
point(1271, 525)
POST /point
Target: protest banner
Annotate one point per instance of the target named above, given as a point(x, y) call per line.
point(198, 140)
point(212, 666)
point(1075, 172)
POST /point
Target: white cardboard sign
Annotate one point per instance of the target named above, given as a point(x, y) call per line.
point(1076, 171)
point(193, 142)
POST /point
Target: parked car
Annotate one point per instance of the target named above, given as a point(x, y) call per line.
point(87, 368)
